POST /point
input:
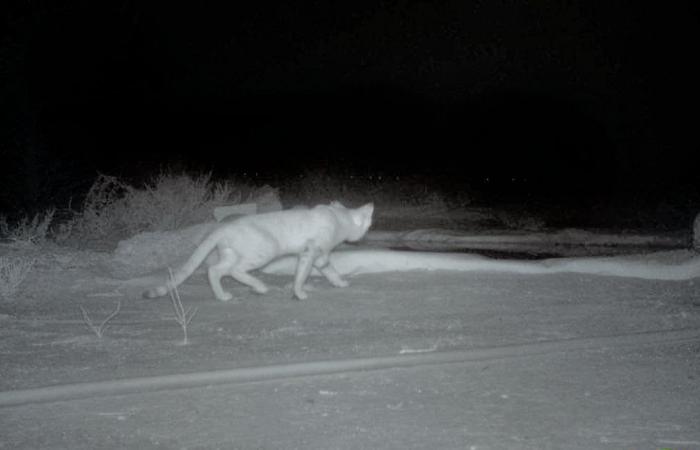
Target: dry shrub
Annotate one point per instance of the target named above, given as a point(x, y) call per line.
point(22, 238)
point(28, 231)
point(102, 212)
point(173, 201)
point(114, 210)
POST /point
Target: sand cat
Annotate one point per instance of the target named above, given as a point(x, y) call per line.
point(253, 241)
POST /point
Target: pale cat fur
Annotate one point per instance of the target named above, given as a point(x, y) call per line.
point(253, 241)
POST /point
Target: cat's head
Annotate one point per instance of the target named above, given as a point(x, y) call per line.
point(361, 220)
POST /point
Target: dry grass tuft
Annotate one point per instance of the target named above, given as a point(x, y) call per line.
point(13, 271)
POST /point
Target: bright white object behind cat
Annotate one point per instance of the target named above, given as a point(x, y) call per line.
point(251, 242)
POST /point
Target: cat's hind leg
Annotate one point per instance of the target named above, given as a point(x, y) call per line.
point(323, 264)
point(227, 259)
point(249, 280)
point(306, 261)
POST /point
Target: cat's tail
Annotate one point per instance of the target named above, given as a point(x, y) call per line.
point(179, 276)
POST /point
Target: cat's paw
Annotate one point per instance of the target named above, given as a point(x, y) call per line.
point(308, 287)
point(340, 283)
point(261, 289)
point(227, 296)
point(300, 295)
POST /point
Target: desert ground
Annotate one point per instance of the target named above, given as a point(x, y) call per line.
point(457, 357)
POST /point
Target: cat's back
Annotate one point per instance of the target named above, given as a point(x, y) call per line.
point(287, 229)
point(289, 218)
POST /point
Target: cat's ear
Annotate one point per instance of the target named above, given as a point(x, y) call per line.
point(337, 204)
point(363, 215)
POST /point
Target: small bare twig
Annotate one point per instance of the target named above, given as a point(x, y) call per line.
point(99, 329)
point(182, 316)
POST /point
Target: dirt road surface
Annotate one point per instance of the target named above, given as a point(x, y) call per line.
point(549, 361)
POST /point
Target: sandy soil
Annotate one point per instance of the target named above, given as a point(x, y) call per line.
point(547, 393)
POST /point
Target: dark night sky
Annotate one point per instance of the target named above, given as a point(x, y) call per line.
point(581, 97)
